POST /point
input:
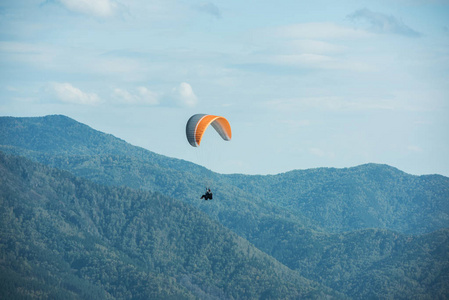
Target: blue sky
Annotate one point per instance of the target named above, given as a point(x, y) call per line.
point(304, 84)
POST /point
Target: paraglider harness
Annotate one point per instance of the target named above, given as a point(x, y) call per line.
point(208, 195)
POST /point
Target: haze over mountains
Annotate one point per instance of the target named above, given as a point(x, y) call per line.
point(129, 222)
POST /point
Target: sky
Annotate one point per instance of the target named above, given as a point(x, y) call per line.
point(304, 84)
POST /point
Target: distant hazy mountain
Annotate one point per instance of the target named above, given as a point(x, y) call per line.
point(367, 196)
point(370, 231)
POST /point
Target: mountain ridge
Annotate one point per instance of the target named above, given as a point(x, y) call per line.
point(64, 123)
point(326, 199)
point(313, 214)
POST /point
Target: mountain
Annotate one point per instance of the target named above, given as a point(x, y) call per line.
point(108, 160)
point(334, 200)
point(367, 196)
point(364, 264)
point(67, 238)
point(370, 231)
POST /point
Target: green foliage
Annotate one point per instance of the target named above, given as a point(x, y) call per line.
point(368, 196)
point(369, 263)
point(318, 223)
point(65, 237)
point(334, 200)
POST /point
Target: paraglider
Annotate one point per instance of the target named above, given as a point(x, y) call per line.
point(197, 125)
point(207, 195)
point(195, 128)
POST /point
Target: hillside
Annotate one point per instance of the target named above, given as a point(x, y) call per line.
point(108, 160)
point(363, 264)
point(336, 200)
point(370, 231)
point(367, 196)
point(65, 237)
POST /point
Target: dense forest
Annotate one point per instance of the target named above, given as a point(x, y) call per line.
point(370, 231)
point(65, 235)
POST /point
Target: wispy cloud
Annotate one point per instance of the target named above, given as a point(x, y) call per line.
point(209, 8)
point(66, 92)
point(141, 96)
point(31, 53)
point(321, 45)
point(414, 149)
point(302, 59)
point(96, 8)
point(313, 46)
point(319, 31)
point(294, 124)
point(328, 103)
point(184, 95)
point(321, 153)
point(382, 23)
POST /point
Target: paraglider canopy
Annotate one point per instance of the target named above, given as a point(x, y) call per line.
point(197, 125)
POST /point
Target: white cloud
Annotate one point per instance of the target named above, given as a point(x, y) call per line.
point(147, 96)
point(97, 8)
point(382, 23)
point(181, 95)
point(142, 95)
point(66, 92)
point(184, 95)
point(123, 96)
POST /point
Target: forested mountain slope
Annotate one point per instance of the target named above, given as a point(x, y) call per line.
point(363, 264)
point(65, 237)
point(358, 230)
point(107, 160)
point(368, 196)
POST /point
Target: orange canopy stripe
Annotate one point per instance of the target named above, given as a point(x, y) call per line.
point(197, 125)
